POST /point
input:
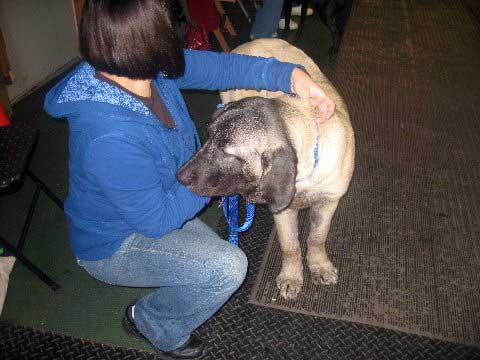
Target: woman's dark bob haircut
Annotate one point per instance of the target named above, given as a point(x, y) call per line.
point(131, 38)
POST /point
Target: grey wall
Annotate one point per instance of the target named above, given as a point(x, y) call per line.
point(41, 38)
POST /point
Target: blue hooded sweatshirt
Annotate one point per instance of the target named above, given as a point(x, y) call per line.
point(123, 160)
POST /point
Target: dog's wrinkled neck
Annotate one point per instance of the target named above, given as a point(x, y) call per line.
point(299, 119)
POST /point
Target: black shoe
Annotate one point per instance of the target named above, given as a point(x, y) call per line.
point(129, 325)
point(192, 349)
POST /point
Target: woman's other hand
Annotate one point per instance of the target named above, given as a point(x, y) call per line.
point(305, 88)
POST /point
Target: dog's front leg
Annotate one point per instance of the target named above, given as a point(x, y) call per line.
point(290, 279)
point(321, 268)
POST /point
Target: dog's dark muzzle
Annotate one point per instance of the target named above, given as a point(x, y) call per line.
point(187, 176)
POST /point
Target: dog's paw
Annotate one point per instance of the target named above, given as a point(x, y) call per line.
point(289, 286)
point(325, 276)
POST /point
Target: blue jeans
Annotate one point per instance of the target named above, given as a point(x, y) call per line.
point(194, 270)
point(266, 19)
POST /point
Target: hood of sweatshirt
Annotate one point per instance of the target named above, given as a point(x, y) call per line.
point(80, 91)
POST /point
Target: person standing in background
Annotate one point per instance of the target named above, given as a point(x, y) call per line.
point(268, 19)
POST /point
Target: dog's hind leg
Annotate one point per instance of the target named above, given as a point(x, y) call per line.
point(290, 279)
point(321, 268)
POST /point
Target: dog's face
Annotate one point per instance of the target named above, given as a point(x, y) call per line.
point(247, 152)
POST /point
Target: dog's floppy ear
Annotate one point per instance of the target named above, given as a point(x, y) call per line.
point(219, 111)
point(277, 185)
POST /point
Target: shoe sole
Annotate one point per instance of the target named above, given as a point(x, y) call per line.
point(130, 331)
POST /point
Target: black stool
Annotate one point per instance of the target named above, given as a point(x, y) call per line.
point(17, 142)
point(287, 7)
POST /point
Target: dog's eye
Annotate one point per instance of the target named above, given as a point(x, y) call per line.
point(235, 157)
point(229, 153)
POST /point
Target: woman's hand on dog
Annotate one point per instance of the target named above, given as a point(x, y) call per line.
point(305, 88)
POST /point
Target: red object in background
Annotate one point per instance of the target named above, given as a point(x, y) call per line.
point(204, 13)
point(206, 16)
point(4, 121)
point(197, 38)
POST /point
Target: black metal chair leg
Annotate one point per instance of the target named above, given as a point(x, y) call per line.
point(45, 189)
point(28, 219)
point(17, 251)
point(34, 269)
point(21, 139)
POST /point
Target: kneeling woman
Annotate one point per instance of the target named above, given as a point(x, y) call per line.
point(131, 223)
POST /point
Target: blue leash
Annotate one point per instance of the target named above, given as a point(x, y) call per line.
point(230, 210)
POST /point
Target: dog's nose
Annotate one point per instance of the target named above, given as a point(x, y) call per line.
point(186, 176)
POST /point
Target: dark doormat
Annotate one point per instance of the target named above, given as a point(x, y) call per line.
point(405, 238)
point(384, 280)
